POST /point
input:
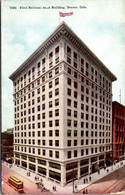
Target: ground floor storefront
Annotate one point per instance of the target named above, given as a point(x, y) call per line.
point(62, 172)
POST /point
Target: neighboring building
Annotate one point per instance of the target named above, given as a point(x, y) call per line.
point(7, 145)
point(118, 130)
point(63, 109)
point(10, 130)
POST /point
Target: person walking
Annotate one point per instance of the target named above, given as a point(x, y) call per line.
point(90, 178)
point(84, 180)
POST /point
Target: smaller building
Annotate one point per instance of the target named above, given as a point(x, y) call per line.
point(7, 145)
point(118, 128)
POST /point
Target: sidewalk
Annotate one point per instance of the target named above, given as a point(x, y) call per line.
point(68, 189)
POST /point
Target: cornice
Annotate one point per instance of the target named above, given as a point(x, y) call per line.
point(63, 30)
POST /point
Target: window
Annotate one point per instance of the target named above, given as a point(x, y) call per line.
point(50, 104)
point(68, 143)
point(56, 132)
point(44, 142)
point(44, 152)
point(82, 152)
point(57, 50)
point(57, 70)
point(57, 112)
point(43, 88)
point(57, 91)
point(75, 84)
point(56, 154)
point(75, 74)
point(69, 70)
point(50, 55)
point(43, 97)
point(75, 132)
point(69, 154)
point(75, 94)
point(50, 74)
point(75, 153)
point(68, 122)
point(68, 102)
point(50, 84)
point(39, 152)
point(43, 106)
point(57, 81)
point(50, 143)
point(50, 133)
point(75, 104)
point(50, 153)
point(50, 94)
point(57, 143)
point(56, 102)
point(43, 115)
point(43, 78)
point(50, 123)
point(69, 81)
point(68, 112)
point(50, 113)
point(43, 61)
point(56, 122)
point(75, 123)
point(69, 92)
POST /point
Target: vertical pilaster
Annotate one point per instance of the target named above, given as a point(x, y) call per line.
point(79, 169)
point(63, 174)
point(90, 167)
point(47, 169)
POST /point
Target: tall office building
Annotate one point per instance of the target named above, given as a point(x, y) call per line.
point(63, 109)
point(118, 131)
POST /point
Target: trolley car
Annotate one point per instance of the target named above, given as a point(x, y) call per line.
point(16, 184)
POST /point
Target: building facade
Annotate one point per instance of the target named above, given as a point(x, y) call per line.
point(118, 130)
point(63, 109)
point(7, 145)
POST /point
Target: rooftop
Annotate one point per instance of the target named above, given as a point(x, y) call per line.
point(62, 30)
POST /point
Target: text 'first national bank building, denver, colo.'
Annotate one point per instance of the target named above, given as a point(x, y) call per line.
point(63, 109)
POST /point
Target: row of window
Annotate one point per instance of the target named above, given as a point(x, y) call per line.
point(43, 61)
point(70, 133)
point(70, 154)
point(39, 151)
point(43, 79)
point(86, 68)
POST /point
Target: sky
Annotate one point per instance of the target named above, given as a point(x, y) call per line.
point(101, 26)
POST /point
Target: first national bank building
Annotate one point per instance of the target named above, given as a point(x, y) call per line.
point(63, 109)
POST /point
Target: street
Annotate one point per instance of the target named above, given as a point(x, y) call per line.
point(111, 183)
point(29, 186)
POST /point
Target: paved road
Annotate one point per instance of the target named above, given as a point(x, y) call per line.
point(111, 183)
point(29, 186)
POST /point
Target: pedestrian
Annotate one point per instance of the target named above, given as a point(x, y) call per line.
point(41, 180)
point(75, 187)
point(86, 191)
point(83, 192)
point(107, 170)
point(84, 180)
point(29, 173)
point(90, 178)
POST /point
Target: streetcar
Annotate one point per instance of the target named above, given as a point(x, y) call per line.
point(16, 183)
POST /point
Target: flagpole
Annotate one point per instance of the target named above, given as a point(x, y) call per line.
point(59, 18)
